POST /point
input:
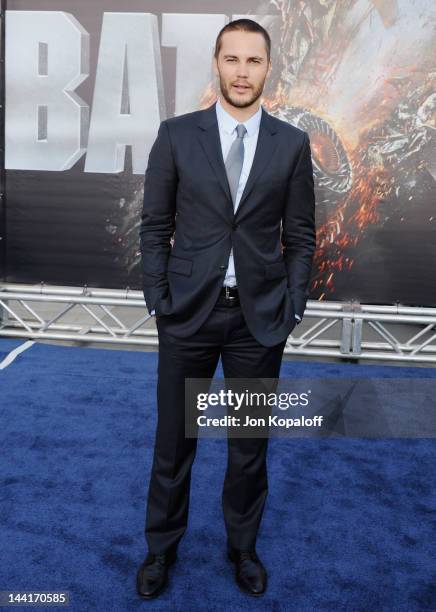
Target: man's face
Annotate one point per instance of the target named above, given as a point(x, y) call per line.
point(242, 67)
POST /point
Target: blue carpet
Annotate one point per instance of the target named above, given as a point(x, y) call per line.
point(348, 523)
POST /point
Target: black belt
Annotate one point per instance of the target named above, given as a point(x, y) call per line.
point(229, 295)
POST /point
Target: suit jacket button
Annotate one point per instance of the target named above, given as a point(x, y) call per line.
point(223, 267)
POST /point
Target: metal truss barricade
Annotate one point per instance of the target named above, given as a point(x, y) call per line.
point(330, 329)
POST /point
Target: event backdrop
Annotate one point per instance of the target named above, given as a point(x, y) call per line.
point(87, 83)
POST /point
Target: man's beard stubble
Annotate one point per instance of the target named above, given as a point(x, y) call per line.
point(241, 103)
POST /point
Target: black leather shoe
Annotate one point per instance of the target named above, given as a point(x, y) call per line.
point(152, 577)
point(250, 574)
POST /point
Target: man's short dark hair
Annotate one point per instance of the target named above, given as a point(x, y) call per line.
point(244, 25)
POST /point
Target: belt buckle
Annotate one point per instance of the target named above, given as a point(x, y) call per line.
point(228, 296)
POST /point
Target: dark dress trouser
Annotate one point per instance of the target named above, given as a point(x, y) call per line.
point(245, 487)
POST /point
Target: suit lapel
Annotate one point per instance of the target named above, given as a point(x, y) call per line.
point(210, 140)
point(265, 147)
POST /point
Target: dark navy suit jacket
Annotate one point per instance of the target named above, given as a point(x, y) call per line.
point(188, 226)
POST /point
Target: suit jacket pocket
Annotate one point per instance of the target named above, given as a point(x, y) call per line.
point(179, 265)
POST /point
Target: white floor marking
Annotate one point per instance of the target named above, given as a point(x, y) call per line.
point(11, 356)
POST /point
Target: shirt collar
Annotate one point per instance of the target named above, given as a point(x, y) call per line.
point(228, 123)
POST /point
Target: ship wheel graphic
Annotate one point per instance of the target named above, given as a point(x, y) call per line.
point(331, 166)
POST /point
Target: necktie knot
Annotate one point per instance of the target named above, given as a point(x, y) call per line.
point(241, 130)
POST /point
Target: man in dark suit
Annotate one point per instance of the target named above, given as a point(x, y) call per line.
point(227, 241)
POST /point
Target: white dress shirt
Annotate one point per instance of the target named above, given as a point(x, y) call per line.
point(227, 131)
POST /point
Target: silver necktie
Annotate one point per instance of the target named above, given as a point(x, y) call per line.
point(235, 160)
